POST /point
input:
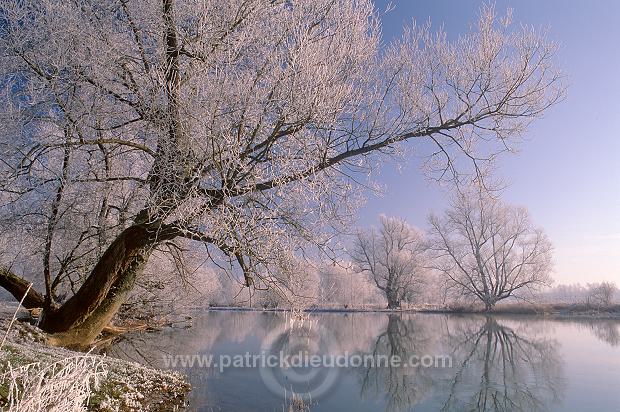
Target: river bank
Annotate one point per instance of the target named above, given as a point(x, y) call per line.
point(35, 375)
point(553, 310)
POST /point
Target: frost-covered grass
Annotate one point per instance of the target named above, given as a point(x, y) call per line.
point(37, 377)
point(64, 385)
point(297, 404)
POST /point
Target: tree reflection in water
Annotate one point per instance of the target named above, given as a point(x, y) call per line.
point(607, 330)
point(403, 387)
point(500, 370)
point(498, 364)
point(494, 367)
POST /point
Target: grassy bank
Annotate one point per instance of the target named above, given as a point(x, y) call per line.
point(35, 376)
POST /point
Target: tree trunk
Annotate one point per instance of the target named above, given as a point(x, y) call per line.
point(81, 318)
point(393, 301)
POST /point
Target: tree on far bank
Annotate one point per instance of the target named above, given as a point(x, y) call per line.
point(340, 285)
point(601, 294)
point(393, 256)
point(487, 250)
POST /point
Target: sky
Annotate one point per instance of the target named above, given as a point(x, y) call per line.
point(568, 170)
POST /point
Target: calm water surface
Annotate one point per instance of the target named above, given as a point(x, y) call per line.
point(497, 363)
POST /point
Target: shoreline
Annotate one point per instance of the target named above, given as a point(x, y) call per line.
point(581, 310)
point(561, 311)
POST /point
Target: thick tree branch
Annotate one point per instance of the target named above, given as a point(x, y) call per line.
point(17, 287)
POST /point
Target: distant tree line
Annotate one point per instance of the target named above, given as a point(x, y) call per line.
point(593, 294)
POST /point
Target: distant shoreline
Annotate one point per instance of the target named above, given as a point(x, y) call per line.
point(580, 311)
point(546, 310)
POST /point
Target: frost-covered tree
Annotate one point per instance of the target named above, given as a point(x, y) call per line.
point(393, 256)
point(601, 294)
point(237, 124)
point(488, 250)
point(341, 285)
point(293, 287)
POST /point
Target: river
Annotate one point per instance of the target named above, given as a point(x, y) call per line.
point(256, 361)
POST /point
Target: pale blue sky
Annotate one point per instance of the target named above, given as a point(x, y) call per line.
point(568, 171)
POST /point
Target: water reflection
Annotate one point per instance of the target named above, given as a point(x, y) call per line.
point(498, 364)
point(607, 330)
point(403, 387)
point(501, 370)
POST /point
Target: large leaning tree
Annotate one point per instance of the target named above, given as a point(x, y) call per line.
point(488, 250)
point(394, 258)
point(242, 125)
